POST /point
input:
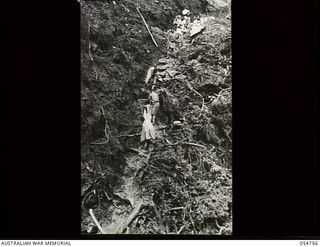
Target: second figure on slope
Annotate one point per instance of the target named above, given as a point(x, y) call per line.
point(148, 131)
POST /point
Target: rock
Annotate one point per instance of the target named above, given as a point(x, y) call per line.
point(164, 67)
point(194, 63)
point(172, 72)
point(162, 74)
point(165, 60)
point(166, 79)
point(180, 77)
point(94, 46)
point(172, 45)
point(177, 122)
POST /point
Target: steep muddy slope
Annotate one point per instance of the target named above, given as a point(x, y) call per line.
point(183, 185)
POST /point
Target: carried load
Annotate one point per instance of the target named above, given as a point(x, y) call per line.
point(149, 74)
point(196, 28)
point(183, 30)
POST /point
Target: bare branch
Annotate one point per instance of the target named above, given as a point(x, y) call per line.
point(193, 144)
point(191, 88)
point(176, 208)
point(106, 133)
point(176, 143)
point(180, 229)
point(145, 23)
point(99, 143)
point(131, 135)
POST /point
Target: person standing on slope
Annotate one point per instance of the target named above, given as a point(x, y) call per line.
point(154, 101)
point(186, 18)
point(148, 131)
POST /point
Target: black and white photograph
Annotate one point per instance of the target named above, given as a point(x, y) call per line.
point(156, 117)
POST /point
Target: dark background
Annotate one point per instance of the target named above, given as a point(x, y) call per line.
point(274, 121)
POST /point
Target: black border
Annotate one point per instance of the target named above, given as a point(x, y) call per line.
point(42, 125)
point(274, 107)
point(274, 103)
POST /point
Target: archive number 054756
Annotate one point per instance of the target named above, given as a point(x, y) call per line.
point(308, 243)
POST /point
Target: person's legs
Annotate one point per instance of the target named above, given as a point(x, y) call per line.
point(154, 111)
point(153, 114)
point(146, 144)
point(142, 144)
point(153, 119)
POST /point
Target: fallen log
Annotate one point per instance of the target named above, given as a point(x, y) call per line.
point(125, 223)
point(96, 221)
